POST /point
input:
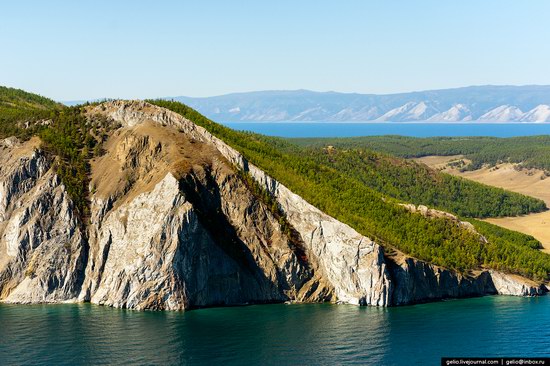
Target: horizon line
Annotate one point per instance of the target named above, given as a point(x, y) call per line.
point(298, 90)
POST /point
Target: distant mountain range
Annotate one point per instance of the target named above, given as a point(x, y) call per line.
point(476, 103)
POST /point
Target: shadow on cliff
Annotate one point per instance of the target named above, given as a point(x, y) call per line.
point(415, 281)
point(207, 203)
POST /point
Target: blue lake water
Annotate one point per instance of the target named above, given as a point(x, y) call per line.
point(331, 129)
point(314, 334)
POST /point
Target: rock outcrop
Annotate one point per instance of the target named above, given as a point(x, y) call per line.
point(433, 213)
point(174, 225)
point(415, 281)
point(506, 284)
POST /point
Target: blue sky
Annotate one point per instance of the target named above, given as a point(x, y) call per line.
point(136, 49)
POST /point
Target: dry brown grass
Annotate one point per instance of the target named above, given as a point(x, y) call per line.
point(438, 162)
point(137, 158)
point(531, 182)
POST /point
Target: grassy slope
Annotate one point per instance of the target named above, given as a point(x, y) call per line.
point(348, 199)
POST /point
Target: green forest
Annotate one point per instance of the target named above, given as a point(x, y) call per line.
point(529, 151)
point(412, 182)
point(19, 112)
point(17, 98)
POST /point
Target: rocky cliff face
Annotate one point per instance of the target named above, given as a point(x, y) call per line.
point(350, 263)
point(174, 225)
point(416, 281)
point(42, 249)
point(171, 229)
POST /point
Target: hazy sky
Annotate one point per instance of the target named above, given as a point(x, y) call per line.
point(135, 49)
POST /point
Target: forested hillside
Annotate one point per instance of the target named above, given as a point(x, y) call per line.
point(75, 139)
point(530, 151)
point(413, 182)
point(17, 98)
point(346, 198)
point(17, 108)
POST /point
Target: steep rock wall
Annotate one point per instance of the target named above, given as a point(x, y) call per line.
point(415, 281)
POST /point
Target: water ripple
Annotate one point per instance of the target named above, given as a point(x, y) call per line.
point(275, 334)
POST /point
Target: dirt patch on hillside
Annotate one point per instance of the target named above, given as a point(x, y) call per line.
point(137, 158)
point(439, 162)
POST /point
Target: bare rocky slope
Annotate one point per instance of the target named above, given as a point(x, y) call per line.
point(173, 225)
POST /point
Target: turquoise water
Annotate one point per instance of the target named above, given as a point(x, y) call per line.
point(331, 129)
point(320, 334)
